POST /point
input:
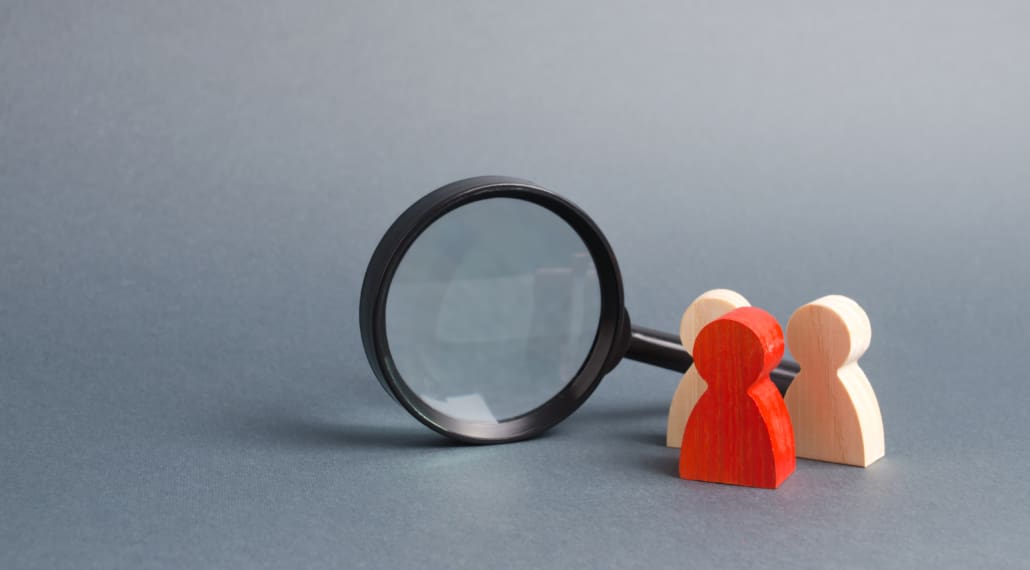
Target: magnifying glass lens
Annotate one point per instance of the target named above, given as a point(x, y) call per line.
point(493, 310)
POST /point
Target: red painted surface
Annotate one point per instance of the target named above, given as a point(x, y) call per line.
point(739, 432)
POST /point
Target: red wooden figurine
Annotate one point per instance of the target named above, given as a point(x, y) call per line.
point(739, 432)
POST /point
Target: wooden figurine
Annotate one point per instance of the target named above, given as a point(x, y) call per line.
point(705, 309)
point(832, 405)
point(739, 432)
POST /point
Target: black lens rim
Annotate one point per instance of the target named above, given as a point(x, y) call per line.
point(398, 239)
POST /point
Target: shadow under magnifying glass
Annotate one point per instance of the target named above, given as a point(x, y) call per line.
point(280, 428)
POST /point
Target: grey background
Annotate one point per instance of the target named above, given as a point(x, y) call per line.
point(189, 192)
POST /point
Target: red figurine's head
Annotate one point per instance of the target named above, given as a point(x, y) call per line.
point(737, 349)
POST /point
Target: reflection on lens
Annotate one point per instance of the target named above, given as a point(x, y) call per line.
point(492, 310)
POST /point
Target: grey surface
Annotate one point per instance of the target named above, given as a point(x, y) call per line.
point(189, 193)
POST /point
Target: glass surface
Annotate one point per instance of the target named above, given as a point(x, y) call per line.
point(493, 310)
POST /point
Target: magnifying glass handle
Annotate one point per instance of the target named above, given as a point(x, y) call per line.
point(664, 350)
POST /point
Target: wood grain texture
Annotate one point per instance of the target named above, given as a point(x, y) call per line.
point(832, 405)
point(707, 307)
point(739, 432)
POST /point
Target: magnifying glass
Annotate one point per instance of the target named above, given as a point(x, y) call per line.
point(492, 308)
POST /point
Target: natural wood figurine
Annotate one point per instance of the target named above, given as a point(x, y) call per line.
point(739, 432)
point(832, 405)
point(705, 309)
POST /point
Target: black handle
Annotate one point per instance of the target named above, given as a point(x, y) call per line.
point(664, 350)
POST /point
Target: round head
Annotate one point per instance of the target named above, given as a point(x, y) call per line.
point(829, 332)
point(491, 309)
point(708, 306)
point(738, 348)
